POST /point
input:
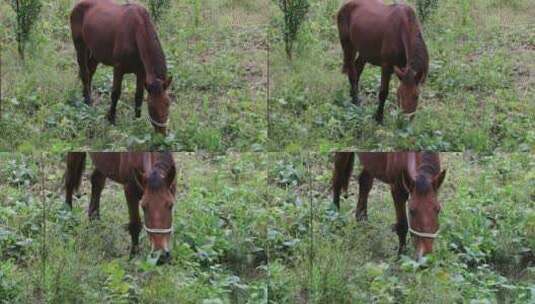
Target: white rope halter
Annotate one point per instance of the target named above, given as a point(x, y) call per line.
point(154, 122)
point(158, 230)
point(417, 233)
point(409, 115)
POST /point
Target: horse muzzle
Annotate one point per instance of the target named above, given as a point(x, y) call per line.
point(164, 258)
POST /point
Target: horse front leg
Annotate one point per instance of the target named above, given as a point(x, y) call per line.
point(386, 72)
point(133, 196)
point(140, 84)
point(401, 227)
point(115, 93)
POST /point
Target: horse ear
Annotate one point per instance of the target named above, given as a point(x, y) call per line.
point(401, 73)
point(407, 181)
point(139, 178)
point(437, 181)
point(167, 83)
point(420, 77)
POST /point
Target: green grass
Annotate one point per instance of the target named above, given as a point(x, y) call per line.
point(478, 96)
point(21, 231)
point(216, 53)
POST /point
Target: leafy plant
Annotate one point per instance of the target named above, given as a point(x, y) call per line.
point(157, 8)
point(294, 14)
point(425, 8)
point(27, 12)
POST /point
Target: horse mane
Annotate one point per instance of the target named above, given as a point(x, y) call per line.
point(162, 167)
point(155, 53)
point(428, 168)
point(419, 57)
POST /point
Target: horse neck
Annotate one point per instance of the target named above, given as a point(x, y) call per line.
point(416, 51)
point(151, 52)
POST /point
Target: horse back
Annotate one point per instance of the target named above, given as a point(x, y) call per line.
point(385, 166)
point(107, 29)
point(373, 29)
point(117, 166)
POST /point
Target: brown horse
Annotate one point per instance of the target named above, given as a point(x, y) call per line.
point(148, 178)
point(124, 37)
point(388, 36)
point(411, 175)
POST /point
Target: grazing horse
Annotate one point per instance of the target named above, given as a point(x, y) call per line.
point(412, 176)
point(124, 37)
point(148, 180)
point(388, 36)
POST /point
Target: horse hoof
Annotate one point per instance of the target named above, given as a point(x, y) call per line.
point(356, 101)
point(111, 118)
point(379, 119)
point(361, 217)
point(134, 251)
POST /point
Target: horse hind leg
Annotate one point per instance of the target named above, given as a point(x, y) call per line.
point(98, 181)
point(365, 186)
point(91, 69)
point(386, 73)
point(343, 166)
point(82, 55)
point(115, 93)
point(350, 69)
point(359, 67)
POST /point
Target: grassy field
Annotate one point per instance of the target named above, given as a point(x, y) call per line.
point(216, 52)
point(479, 93)
point(260, 228)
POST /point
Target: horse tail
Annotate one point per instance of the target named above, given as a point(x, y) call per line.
point(77, 18)
point(344, 21)
point(73, 175)
point(343, 167)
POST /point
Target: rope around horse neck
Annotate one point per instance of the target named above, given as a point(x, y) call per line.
point(154, 122)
